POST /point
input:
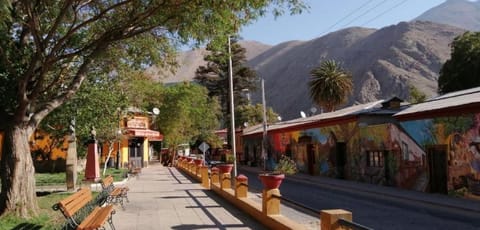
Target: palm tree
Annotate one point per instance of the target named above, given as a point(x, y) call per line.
point(330, 85)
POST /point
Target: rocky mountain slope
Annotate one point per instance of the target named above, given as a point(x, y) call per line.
point(383, 63)
point(459, 13)
point(189, 61)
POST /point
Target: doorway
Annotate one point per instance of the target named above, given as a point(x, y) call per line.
point(135, 152)
point(311, 158)
point(341, 159)
point(437, 168)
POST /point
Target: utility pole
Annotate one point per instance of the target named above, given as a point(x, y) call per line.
point(264, 139)
point(232, 111)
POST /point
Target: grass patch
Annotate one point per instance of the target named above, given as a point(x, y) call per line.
point(47, 220)
point(43, 179)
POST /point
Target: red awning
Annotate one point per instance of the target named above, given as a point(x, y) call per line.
point(151, 134)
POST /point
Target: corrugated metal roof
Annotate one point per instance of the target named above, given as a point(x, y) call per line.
point(458, 98)
point(352, 110)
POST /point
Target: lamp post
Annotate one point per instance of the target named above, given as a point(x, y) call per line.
point(232, 113)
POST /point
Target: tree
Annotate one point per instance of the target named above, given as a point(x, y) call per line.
point(48, 49)
point(95, 104)
point(416, 96)
point(253, 114)
point(462, 70)
point(330, 85)
point(188, 114)
point(215, 77)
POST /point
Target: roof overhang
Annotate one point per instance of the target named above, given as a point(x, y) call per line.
point(152, 135)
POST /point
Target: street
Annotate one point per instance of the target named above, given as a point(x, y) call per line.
point(373, 210)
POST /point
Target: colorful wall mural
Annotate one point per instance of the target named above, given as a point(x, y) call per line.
point(380, 154)
point(460, 137)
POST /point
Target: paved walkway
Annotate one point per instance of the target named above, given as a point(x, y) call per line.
point(163, 198)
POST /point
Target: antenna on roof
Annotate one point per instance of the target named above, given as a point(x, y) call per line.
point(302, 114)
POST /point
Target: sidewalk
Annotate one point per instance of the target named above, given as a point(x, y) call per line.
point(391, 193)
point(163, 198)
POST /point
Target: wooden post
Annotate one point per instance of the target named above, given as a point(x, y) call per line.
point(241, 186)
point(329, 218)
point(204, 175)
point(271, 201)
point(226, 181)
point(215, 177)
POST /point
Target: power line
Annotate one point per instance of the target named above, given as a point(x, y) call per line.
point(384, 12)
point(364, 13)
point(346, 16)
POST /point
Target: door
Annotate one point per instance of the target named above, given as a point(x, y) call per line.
point(311, 159)
point(135, 153)
point(437, 168)
point(341, 159)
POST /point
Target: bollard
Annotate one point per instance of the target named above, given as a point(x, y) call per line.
point(226, 181)
point(329, 218)
point(197, 170)
point(271, 201)
point(204, 175)
point(215, 177)
point(241, 186)
point(191, 167)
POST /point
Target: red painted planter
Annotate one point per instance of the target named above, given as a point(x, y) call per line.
point(225, 168)
point(271, 181)
point(198, 161)
point(242, 178)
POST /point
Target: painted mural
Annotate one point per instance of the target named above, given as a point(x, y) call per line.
point(460, 138)
point(381, 154)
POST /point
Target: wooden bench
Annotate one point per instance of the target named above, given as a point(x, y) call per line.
point(82, 212)
point(115, 194)
point(133, 170)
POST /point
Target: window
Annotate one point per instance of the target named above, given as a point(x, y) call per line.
point(375, 159)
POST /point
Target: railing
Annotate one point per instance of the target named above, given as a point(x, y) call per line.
point(352, 225)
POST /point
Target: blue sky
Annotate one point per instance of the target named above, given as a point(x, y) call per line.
point(327, 16)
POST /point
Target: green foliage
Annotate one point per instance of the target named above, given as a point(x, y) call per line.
point(43, 179)
point(330, 85)
point(462, 70)
point(188, 114)
point(286, 166)
point(142, 92)
point(416, 96)
point(253, 114)
point(215, 76)
point(95, 105)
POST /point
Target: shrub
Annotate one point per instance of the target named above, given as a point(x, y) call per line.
point(286, 166)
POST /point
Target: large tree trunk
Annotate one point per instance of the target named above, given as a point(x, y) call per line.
point(18, 175)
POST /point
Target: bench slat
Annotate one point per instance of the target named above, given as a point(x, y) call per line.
point(97, 218)
point(75, 202)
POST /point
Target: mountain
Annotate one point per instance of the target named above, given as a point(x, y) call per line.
point(189, 61)
point(459, 13)
point(384, 63)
